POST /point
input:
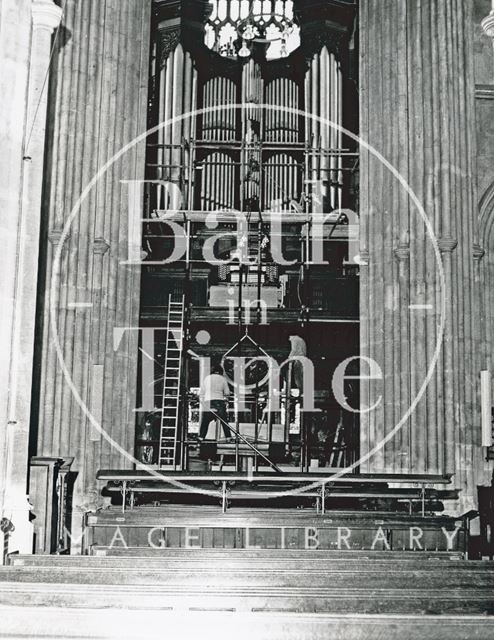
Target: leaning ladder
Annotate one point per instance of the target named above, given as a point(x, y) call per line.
point(171, 384)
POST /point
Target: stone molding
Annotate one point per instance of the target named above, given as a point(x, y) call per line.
point(100, 246)
point(488, 24)
point(478, 252)
point(46, 15)
point(447, 245)
point(402, 252)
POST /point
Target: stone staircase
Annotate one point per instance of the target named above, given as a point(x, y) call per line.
point(254, 593)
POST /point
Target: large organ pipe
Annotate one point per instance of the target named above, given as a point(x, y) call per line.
point(287, 187)
point(315, 124)
point(277, 102)
point(217, 182)
point(187, 107)
point(168, 115)
point(161, 132)
point(177, 125)
point(325, 114)
point(219, 115)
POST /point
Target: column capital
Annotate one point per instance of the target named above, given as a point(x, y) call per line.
point(488, 24)
point(46, 15)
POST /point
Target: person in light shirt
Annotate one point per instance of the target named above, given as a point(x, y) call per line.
point(213, 398)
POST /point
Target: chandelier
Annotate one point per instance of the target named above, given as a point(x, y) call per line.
point(236, 26)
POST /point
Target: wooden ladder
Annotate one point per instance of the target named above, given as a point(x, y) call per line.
point(171, 384)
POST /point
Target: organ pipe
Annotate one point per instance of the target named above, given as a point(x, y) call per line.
point(324, 99)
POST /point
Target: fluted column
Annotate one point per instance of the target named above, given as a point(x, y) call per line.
point(99, 105)
point(417, 110)
point(45, 17)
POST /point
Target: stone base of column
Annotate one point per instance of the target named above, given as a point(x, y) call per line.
point(17, 509)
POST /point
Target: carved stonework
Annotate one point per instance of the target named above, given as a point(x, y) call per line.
point(100, 246)
point(447, 245)
point(55, 235)
point(488, 24)
point(46, 15)
point(402, 252)
point(168, 41)
point(478, 252)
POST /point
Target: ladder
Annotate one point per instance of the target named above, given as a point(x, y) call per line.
point(338, 447)
point(171, 383)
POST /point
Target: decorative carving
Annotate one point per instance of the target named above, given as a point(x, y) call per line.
point(100, 246)
point(6, 526)
point(55, 235)
point(402, 252)
point(488, 24)
point(447, 245)
point(168, 41)
point(324, 23)
point(478, 252)
point(317, 36)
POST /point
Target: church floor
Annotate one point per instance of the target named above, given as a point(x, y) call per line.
point(53, 622)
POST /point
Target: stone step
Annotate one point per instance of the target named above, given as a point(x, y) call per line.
point(66, 623)
point(268, 555)
point(397, 578)
point(328, 562)
point(464, 601)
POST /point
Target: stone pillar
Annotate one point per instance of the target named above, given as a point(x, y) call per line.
point(26, 216)
point(98, 105)
point(417, 110)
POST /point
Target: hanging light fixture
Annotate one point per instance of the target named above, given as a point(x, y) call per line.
point(234, 37)
point(283, 50)
point(244, 51)
point(249, 32)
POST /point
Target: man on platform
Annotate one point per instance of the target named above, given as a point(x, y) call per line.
point(213, 399)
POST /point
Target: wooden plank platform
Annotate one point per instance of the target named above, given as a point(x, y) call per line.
point(267, 476)
point(269, 485)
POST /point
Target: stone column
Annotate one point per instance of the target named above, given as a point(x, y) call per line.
point(417, 110)
point(45, 18)
point(15, 40)
point(98, 105)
